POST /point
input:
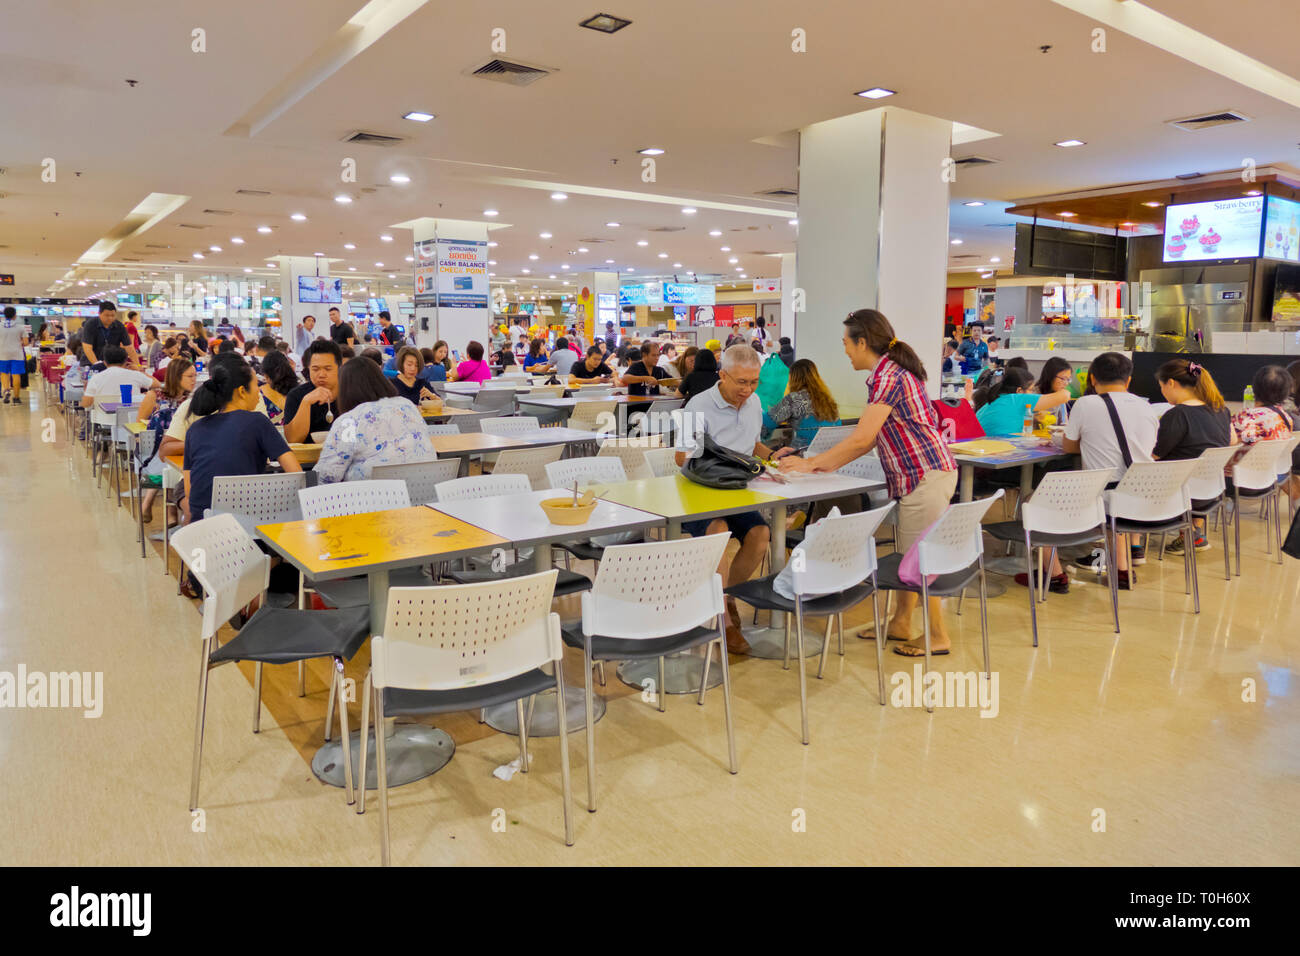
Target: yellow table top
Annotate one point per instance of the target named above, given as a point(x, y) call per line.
point(446, 411)
point(136, 428)
point(470, 441)
point(401, 537)
point(675, 496)
point(306, 455)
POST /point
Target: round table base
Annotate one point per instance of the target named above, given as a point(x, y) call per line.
point(415, 751)
point(1008, 564)
point(768, 643)
point(503, 717)
point(682, 673)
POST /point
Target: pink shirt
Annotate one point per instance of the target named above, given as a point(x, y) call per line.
point(471, 371)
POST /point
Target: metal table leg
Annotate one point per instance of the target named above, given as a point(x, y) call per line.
point(967, 481)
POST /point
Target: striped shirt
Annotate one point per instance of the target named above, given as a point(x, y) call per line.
point(909, 442)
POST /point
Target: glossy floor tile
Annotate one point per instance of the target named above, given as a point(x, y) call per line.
point(1139, 748)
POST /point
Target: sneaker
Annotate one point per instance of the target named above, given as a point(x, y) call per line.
point(1057, 585)
point(1095, 562)
point(1137, 554)
point(1175, 547)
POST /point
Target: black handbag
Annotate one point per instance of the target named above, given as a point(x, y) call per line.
point(1291, 546)
point(717, 467)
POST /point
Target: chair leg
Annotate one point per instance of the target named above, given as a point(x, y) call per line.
point(257, 697)
point(961, 596)
point(1112, 571)
point(561, 716)
point(839, 626)
point(381, 771)
point(660, 689)
point(329, 709)
point(826, 647)
point(803, 667)
point(1227, 554)
point(704, 673)
point(1189, 536)
point(523, 731)
point(984, 620)
point(1188, 548)
point(207, 649)
point(1236, 522)
point(343, 730)
point(589, 726)
point(365, 734)
point(1277, 522)
point(726, 697)
point(1033, 584)
point(925, 617)
point(880, 639)
point(785, 665)
point(600, 669)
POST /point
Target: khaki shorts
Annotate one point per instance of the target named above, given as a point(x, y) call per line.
point(924, 506)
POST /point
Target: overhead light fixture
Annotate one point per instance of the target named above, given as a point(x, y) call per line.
point(1153, 204)
point(715, 232)
point(733, 260)
point(533, 256)
point(544, 235)
point(663, 255)
point(744, 275)
point(875, 93)
point(493, 244)
point(525, 271)
point(996, 259)
point(955, 242)
point(608, 262)
point(794, 222)
point(270, 265)
point(688, 211)
point(318, 253)
point(298, 217)
point(1067, 143)
point(1254, 192)
point(391, 276)
point(630, 269)
point(410, 258)
point(689, 273)
point(973, 202)
point(1126, 225)
point(642, 242)
point(492, 262)
point(582, 249)
point(491, 212)
point(418, 117)
point(214, 248)
point(612, 225)
point(343, 198)
point(559, 197)
point(1069, 215)
point(236, 240)
point(738, 269)
point(263, 228)
point(651, 151)
point(552, 275)
point(605, 23)
point(677, 265)
point(564, 266)
point(379, 265)
point(246, 269)
point(385, 238)
point(399, 178)
point(349, 245)
point(198, 255)
point(724, 248)
point(352, 268)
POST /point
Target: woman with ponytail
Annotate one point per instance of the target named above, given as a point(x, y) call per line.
point(1008, 400)
point(920, 472)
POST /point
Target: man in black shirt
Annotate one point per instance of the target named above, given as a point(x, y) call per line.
point(388, 332)
point(591, 369)
point(98, 334)
point(341, 332)
point(644, 377)
point(307, 407)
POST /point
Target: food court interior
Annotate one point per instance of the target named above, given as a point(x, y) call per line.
point(955, 257)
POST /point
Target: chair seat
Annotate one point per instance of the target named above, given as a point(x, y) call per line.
point(399, 701)
point(639, 649)
point(1134, 526)
point(944, 585)
point(1015, 531)
point(759, 593)
point(283, 636)
point(567, 582)
point(355, 592)
point(1205, 506)
point(586, 551)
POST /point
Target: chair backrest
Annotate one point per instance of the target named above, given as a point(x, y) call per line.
point(1152, 491)
point(828, 436)
point(470, 423)
point(585, 471)
point(867, 467)
point(1260, 466)
point(1067, 502)
point(662, 461)
point(262, 497)
point(421, 477)
point(447, 429)
point(530, 462)
point(511, 425)
point(228, 564)
point(494, 399)
point(545, 391)
point(955, 541)
point(595, 416)
point(1208, 479)
point(462, 635)
point(658, 417)
point(483, 486)
point(595, 391)
point(655, 589)
point(353, 498)
point(145, 443)
point(631, 451)
point(842, 553)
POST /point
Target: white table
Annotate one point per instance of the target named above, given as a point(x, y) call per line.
point(621, 404)
point(520, 520)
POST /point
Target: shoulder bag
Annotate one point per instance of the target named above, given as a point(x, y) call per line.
point(717, 467)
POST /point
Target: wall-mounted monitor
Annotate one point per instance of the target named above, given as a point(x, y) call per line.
point(157, 301)
point(130, 298)
point(319, 289)
point(1218, 229)
point(1282, 229)
point(378, 305)
point(270, 303)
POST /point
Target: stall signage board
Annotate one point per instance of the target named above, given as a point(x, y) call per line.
point(6, 278)
point(688, 293)
point(768, 286)
point(462, 274)
point(426, 272)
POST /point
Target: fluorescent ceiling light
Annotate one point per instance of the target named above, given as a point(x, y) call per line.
point(263, 229)
point(608, 262)
point(582, 249)
point(973, 202)
point(651, 151)
point(733, 260)
point(236, 240)
point(1069, 215)
point(663, 255)
point(298, 217)
point(612, 225)
point(533, 256)
point(418, 117)
point(1153, 204)
point(343, 198)
point(955, 242)
point(642, 242)
point(399, 178)
point(1067, 143)
point(689, 211)
point(198, 255)
point(385, 238)
point(875, 93)
point(349, 245)
point(214, 248)
point(715, 232)
point(677, 265)
point(379, 265)
point(493, 244)
point(544, 235)
point(491, 212)
point(352, 268)
point(724, 248)
point(559, 197)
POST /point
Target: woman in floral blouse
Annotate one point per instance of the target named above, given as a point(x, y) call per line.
point(1268, 420)
point(158, 409)
point(374, 427)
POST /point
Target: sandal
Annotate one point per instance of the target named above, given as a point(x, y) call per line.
point(917, 650)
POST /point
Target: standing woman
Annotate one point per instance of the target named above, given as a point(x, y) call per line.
point(920, 472)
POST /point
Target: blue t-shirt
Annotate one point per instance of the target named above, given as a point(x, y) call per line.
point(973, 351)
point(531, 360)
point(227, 443)
point(434, 372)
point(1005, 415)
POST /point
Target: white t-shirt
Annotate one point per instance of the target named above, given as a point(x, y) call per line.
point(1091, 427)
point(107, 385)
point(11, 340)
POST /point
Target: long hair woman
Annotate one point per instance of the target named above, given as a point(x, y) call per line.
point(1198, 420)
point(807, 405)
point(281, 379)
point(375, 426)
point(920, 472)
point(1010, 399)
point(158, 409)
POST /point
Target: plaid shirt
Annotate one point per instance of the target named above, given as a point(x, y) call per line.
point(909, 442)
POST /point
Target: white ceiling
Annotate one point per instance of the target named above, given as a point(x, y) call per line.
point(705, 81)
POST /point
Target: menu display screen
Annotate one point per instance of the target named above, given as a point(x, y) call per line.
point(1281, 229)
point(316, 289)
point(1219, 229)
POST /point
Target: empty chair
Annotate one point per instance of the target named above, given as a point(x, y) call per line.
point(828, 436)
point(1152, 498)
point(421, 477)
point(952, 550)
point(530, 462)
point(598, 470)
point(631, 452)
point(599, 416)
point(655, 420)
point(353, 497)
point(447, 429)
point(1207, 488)
point(470, 423)
point(501, 400)
point(831, 572)
point(1066, 509)
point(649, 600)
point(545, 391)
point(233, 571)
point(596, 391)
point(662, 462)
point(258, 499)
point(482, 486)
point(1255, 475)
point(466, 647)
point(510, 425)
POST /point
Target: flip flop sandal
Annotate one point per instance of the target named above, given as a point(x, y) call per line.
point(871, 636)
point(905, 650)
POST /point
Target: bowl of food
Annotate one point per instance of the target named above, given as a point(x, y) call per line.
point(569, 510)
point(319, 437)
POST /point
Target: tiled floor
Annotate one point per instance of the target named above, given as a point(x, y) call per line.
point(1146, 731)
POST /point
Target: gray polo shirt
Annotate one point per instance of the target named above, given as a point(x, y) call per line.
point(563, 360)
point(735, 428)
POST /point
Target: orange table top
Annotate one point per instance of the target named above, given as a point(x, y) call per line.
point(471, 442)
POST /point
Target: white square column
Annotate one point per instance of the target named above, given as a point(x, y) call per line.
point(456, 326)
point(292, 312)
point(873, 233)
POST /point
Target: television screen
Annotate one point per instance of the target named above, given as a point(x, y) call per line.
point(1282, 229)
point(157, 301)
point(270, 303)
point(1286, 294)
point(318, 289)
point(373, 305)
point(1219, 229)
point(130, 298)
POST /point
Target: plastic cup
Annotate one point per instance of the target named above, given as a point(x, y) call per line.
point(128, 393)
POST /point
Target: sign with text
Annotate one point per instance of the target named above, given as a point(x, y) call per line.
point(462, 274)
point(6, 278)
point(688, 293)
point(426, 272)
point(767, 286)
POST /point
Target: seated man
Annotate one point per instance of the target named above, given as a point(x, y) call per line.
point(731, 414)
point(105, 386)
point(592, 369)
point(645, 375)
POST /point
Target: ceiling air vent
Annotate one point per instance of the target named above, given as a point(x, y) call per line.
point(252, 192)
point(191, 225)
point(505, 71)
point(371, 139)
point(974, 161)
point(217, 212)
point(666, 229)
point(1193, 123)
point(778, 191)
point(156, 245)
point(587, 242)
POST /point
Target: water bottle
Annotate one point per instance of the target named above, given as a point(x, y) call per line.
point(1248, 400)
point(1027, 429)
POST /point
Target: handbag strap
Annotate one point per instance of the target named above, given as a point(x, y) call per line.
point(1119, 429)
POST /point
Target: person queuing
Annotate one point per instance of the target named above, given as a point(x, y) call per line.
point(13, 360)
point(281, 379)
point(808, 405)
point(729, 413)
point(408, 383)
point(376, 426)
point(920, 472)
point(591, 370)
point(341, 332)
point(98, 334)
point(310, 407)
point(645, 377)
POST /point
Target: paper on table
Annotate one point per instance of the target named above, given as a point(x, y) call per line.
point(983, 447)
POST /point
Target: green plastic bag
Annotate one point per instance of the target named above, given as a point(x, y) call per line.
point(772, 380)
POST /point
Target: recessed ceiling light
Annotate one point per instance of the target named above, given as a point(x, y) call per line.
point(246, 269)
point(689, 273)
point(298, 217)
point(379, 265)
point(663, 255)
point(493, 244)
point(552, 275)
point(236, 240)
point(738, 269)
point(744, 276)
point(1254, 192)
point(651, 151)
point(565, 266)
point(214, 248)
point(492, 262)
point(724, 248)
point(318, 253)
point(1069, 215)
point(733, 260)
point(1153, 204)
point(609, 262)
point(491, 273)
point(677, 265)
point(263, 228)
point(794, 222)
point(1070, 142)
point(525, 271)
point(604, 23)
point(642, 242)
point(418, 117)
point(270, 265)
point(391, 276)
point(996, 259)
point(612, 225)
point(198, 255)
point(582, 249)
point(533, 256)
point(491, 212)
point(352, 268)
point(715, 232)
point(349, 245)
point(630, 269)
point(399, 178)
point(343, 198)
point(875, 93)
point(559, 197)
point(688, 211)
point(973, 202)
point(410, 258)
point(544, 235)
point(955, 242)
point(385, 238)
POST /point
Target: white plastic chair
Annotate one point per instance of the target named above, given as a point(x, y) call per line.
point(421, 477)
point(353, 497)
point(465, 647)
point(232, 571)
point(482, 486)
point(649, 600)
point(631, 452)
point(494, 399)
point(1152, 498)
point(259, 499)
point(444, 429)
point(601, 416)
point(1208, 486)
point(662, 462)
point(657, 419)
point(828, 436)
point(597, 470)
point(596, 391)
point(1257, 474)
point(531, 462)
